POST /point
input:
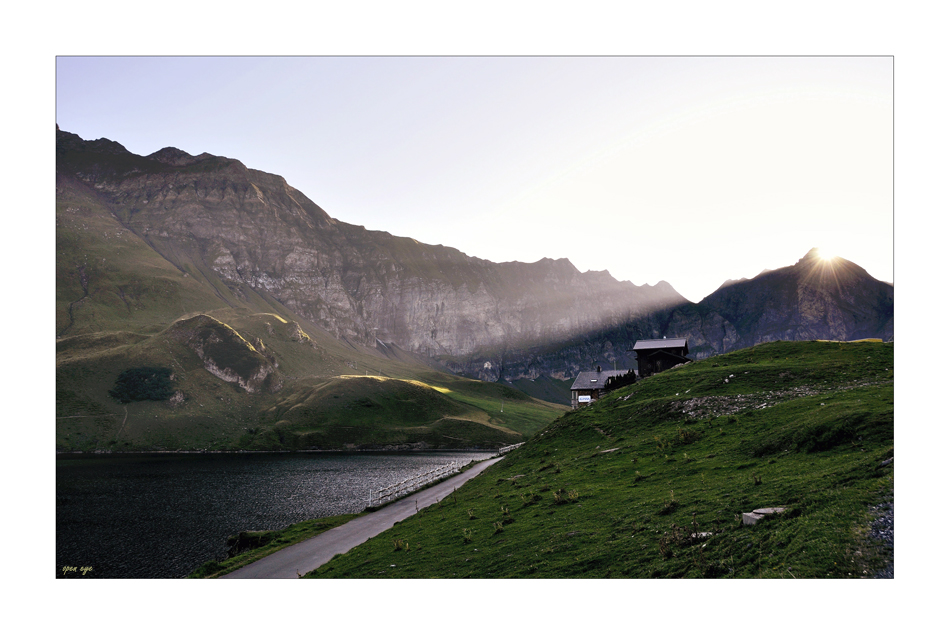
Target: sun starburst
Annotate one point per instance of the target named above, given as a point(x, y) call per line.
point(825, 270)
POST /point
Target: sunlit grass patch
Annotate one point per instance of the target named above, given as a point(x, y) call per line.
point(414, 382)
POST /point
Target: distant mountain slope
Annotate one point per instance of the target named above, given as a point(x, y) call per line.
point(139, 295)
point(810, 300)
point(249, 234)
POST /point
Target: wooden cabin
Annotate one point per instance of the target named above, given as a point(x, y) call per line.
point(589, 386)
point(654, 356)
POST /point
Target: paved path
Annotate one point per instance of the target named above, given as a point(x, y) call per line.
point(311, 553)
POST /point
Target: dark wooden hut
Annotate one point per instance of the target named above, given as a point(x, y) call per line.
point(654, 356)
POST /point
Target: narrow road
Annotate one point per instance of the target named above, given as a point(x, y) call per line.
point(311, 553)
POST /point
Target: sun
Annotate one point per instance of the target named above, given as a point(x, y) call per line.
point(826, 255)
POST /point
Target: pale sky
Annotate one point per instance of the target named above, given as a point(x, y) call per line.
point(692, 170)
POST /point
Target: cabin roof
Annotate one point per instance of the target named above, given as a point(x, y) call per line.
point(673, 342)
point(590, 380)
point(662, 353)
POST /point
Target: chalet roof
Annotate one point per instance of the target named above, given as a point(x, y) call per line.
point(590, 380)
point(662, 353)
point(673, 342)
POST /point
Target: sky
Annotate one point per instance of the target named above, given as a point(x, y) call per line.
point(690, 169)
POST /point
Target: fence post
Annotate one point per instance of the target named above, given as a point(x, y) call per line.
point(409, 485)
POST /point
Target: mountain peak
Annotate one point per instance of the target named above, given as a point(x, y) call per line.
point(173, 156)
point(813, 254)
point(69, 141)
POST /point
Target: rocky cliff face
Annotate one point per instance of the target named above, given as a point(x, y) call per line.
point(227, 355)
point(256, 234)
point(248, 235)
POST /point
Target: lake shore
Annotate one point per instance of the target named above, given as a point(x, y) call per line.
point(160, 515)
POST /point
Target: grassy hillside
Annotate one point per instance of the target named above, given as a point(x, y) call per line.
point(258, 381)
point(546, 388)
point(652, 480)
point(379, 411)
point(109, 279)
point(239, 369)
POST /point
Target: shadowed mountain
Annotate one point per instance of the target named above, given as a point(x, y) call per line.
point(814, 299)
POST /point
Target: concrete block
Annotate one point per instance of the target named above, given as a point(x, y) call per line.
point(751, 518)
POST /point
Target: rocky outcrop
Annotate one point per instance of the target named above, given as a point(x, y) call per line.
point(227, 355)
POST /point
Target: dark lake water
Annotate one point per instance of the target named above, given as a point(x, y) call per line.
point(161, 516)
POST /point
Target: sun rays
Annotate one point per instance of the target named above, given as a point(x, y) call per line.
point(825, 268)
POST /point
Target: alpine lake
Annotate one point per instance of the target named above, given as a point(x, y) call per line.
point(162, 515)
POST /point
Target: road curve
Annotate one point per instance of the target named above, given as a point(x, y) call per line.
point(311, 553)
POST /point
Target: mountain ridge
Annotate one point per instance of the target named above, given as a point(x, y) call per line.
point(812, 299)
point(254, 231)
point(176, 234)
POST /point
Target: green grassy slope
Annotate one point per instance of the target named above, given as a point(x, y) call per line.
point(379, 411)
point(546, 388)
point(108, 279)
point(311, 398)
point(122, 306)
point(652, 480)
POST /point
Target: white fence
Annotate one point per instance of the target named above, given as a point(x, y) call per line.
point(400, 489)
point(412, 484)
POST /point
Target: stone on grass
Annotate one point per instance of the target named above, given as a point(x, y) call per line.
point(751, 518)
point(768, 510)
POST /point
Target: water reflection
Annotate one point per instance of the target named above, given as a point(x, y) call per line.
point(162, 516)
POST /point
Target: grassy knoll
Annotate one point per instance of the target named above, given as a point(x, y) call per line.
point(652, 480)
point(502, 405)
point(276, 387)
point(379, 411)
